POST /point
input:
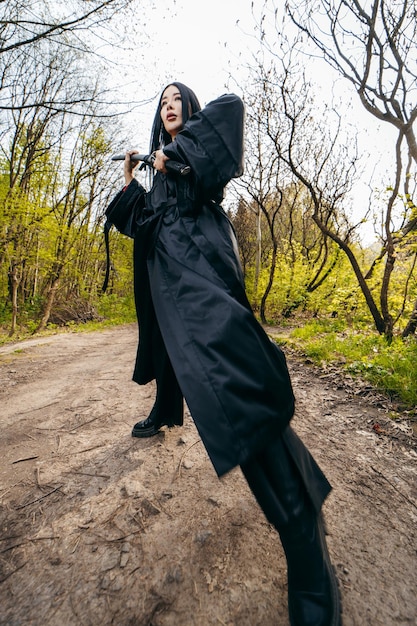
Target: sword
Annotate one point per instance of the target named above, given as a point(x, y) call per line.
point(148, 159)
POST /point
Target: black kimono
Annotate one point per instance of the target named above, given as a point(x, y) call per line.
point(188, 280)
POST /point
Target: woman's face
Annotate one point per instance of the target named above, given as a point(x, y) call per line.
point(171, 110)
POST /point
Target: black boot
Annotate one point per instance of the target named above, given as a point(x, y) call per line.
point(145, 428)
point(151, 426)
point(168, 409)
point(313, 594)
point(281, 492)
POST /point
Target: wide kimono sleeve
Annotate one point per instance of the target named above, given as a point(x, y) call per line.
point(211, 142)
point(125, 210)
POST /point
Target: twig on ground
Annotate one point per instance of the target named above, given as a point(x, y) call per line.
point(22, 506)
point(25, 543)
point(37, 477)
point(394, 487)
point(113, 514)
point(13, 572)
point(28, 458)
point(6, 491)
point(84, 423)
point(116, 539)
point(138, 522)
point(178, 472)
point(102, 445)
point(39, 408)
point(89, 474)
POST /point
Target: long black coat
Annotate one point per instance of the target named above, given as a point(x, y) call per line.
point(188, 279)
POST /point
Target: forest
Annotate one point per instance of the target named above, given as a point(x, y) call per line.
point(298, 221)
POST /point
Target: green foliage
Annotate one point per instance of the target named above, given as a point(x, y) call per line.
point(390, 367)
point(339, 295)
point(291, 289)
point(51, 234)
point(116, 310)
point(112, 310)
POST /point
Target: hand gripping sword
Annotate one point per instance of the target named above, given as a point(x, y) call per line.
point(148, 159)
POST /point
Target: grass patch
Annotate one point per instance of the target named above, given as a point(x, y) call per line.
point(390, 367)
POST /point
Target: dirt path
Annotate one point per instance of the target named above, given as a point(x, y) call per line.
point(98, 528)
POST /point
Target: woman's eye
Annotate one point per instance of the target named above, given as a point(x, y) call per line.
point(165, 102)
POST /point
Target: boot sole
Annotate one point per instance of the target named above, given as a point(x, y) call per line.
point(142, 434)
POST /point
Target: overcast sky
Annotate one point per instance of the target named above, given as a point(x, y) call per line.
point(202, 43)
point(197, 41)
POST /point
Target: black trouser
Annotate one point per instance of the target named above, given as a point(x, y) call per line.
point(285, 479)
point(169, 406)
point(290, 488)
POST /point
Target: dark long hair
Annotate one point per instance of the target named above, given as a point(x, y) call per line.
point(190, 105)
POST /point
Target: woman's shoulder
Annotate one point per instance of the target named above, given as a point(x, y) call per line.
point(225, 114)
point(226, 104)
point(227, 98)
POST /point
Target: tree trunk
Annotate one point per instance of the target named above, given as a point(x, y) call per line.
point(377, 317)
point(14, 286)
point(258, 255)
point(411, 326)
point(388, 320)
point(48, 305)
point(270, 282)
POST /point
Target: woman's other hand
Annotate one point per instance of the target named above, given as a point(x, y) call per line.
point(129, 166)
point(160, 160)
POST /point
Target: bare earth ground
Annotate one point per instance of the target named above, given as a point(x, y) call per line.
point(98, 528)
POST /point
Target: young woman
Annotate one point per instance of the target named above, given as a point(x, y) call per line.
point(201, 341)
